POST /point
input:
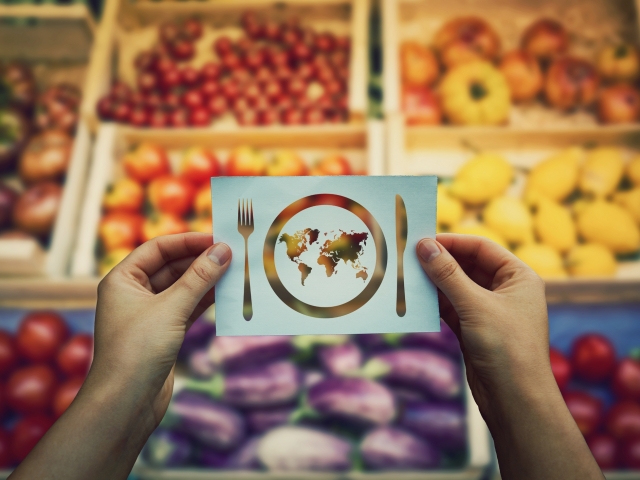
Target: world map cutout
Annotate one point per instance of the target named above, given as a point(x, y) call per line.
point(345, 246)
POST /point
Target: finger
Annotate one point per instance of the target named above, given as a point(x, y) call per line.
point(445, 273)
point(169, 273)
point(206, 302)
point(488, 256)
point(449, 314)
point(151, 256)
point(200, 277)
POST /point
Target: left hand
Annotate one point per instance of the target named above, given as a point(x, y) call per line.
point(145, 306)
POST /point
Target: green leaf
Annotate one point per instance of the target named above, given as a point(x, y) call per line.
point(308, 342)
point(214, 387)
point(374, 368)
point(393, 339)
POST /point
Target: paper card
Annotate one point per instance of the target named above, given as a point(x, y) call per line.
point(324, 255)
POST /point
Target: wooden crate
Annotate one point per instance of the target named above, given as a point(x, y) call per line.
point(592, 24)
point(56, 41)
point(134, 24)
point(478, 461)
point(440, 151)
point(360, 144)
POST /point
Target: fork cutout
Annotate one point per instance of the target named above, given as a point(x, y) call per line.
point(245, 228)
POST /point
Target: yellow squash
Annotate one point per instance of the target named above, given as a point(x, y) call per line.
point(475, 93)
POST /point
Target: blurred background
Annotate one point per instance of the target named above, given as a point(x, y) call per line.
point(114, 114)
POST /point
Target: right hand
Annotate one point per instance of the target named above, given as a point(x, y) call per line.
point(496, 306)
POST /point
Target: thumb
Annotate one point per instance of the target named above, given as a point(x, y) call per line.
point(201, 276)
point(445, 272)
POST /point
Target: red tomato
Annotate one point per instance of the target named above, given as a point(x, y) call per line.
point(560, 367)
point(75, 356)
point(5, 453)
point(8, 354)
point(163, 224)
point(631, 453)
point(65, 395)
point(40, 336)
point(198, 165)
point(623, 420)
point(586, 410)
point(27, 433)
point(146, 163)
point(605, 450)
point(120, 230)
point(171, 194)
point(626, 379)
point(31, 389)
point(593, 357)
point(332, 165)
point(3, 400)
point(202, 202)
point(124, 195)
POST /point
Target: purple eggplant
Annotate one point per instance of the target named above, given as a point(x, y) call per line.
point(342, 359)
point(270, 385)
point(405, 394)
point(167, 448)
point(261, 420)
point(444, 341)
point(311, 377)
point(239, 352)
point(214, 425)
point(298, 449)
point(200, 365)
point(436, 374)
point(371, 341)
point(246, 456)
point(356, 399)
point(390, 448)
point(443, 424)
point(197, 337)
point(212, 458)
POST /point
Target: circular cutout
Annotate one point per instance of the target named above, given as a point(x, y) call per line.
point(325, 311)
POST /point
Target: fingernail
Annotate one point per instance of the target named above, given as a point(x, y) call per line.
point(428, 250)
point(219, 253)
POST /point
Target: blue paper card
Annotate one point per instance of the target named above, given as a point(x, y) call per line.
point(324, 255)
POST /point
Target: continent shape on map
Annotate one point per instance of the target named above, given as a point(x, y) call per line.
point(345, 246)
point(297, 244)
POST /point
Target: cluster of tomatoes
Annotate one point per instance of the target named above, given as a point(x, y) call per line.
point(612, 435)
point(168, 198)
point(42, 368)
point(276, 73)
point(152, 200)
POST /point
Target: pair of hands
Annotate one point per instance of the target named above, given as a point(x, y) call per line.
point(493, 302)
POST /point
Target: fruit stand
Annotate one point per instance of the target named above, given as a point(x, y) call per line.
point(255, 52)
point(433, 127)
point(48, 65)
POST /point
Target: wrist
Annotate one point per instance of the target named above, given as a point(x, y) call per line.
point(122, 405)
point(532, 394)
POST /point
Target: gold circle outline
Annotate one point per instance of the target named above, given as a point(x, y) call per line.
point(281, 291)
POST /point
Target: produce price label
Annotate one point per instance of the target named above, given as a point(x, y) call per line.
point(324, 255)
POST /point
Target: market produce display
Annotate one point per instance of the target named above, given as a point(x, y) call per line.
point(610, 422)
point(315, 403)
point(42, 367)
point(463, 77)
point(36, 138)
point(577, 213)
point(166, 192)
point(276, 73)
